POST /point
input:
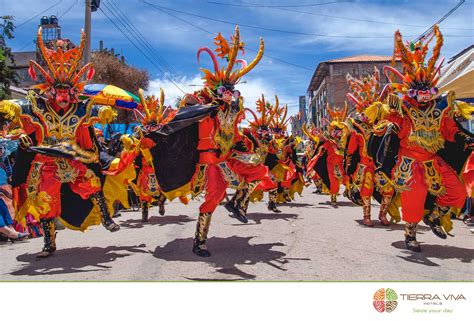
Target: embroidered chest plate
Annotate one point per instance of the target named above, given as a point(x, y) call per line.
point(426, 124)
point(224, 137)
point(59, 129)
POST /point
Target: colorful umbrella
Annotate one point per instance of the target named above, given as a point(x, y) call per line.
point(111, 95)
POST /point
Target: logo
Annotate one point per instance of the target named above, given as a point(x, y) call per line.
point(385, 300)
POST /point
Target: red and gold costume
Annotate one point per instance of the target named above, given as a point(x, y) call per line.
point(359, 165)
point(219, 166)
point(425, 125)
point(156, 115)
point(262, 145)
point(58, 130)
point(330, 154)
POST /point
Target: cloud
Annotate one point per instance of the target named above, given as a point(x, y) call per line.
point(251, 89)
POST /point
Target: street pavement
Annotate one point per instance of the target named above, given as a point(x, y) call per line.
point(310, 241)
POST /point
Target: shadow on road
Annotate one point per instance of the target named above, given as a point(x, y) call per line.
point(391, 227)
point(157, 220)
point(443, 252)
point(75, 260)
point(291, 204)
point(259, 217)
point(339, 204)
point(227, 253)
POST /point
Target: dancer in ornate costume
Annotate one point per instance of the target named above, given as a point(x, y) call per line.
point(259, 141)
point(328, 162)
point(218, 134)
point(315, 140)
point(359, 165)
point(425, 125)
point(59, 159)
point(156, 116)
point(217, 111)
point(9, 116)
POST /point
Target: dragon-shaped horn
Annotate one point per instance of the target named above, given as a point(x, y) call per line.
point(273, 111)
point(162, 101)
point(344, 111)
point(387, 69)
point(211, 54)
point(436, 50)
point(255, 117)
point(254, 62)
point(405, 55)
point(354, 99)
point(285, 113)
point(332, 112)
point(89, 68)
point(43, 49)
point(77, 59)
point(264, 110)
point(308, 133)
point(31, 71)
point(141, 95)
point(384, 92)
point(233, 52)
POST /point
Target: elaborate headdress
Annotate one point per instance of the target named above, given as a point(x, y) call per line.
point(365, 93)
point(226, 76)
point(280, 121)
point(156, 114)
point(365, 90)
point(266, 112)
point(312, 133)
point(418, 78)
point(62, 66)
point(338, 116)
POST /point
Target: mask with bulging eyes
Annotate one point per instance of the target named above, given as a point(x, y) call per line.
point(336, 133)
point(152, 127)
point(422, 95)
point(227, 94)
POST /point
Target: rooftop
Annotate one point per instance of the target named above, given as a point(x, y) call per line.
point(22, 59)
point(323, 68)
point(362, 58)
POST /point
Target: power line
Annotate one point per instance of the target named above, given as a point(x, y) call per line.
point(150, 53)
point(38, 14)
point(68, 9)
point(26, 45)
point(430, 29)
point(248, 5)
point(286, 5)
point(214, 34)
point(147, 56)
point(141, 38)
point(137, 47)
point(275, 30)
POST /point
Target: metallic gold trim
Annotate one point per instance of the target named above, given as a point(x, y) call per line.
point(403, 174)
point(433, 179)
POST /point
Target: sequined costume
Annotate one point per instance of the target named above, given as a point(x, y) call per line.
point(59, 148)
point(155, 116)
point(328, 162)
point(203, 133)
point(425, 125)
point(259, 142)
point(359, 164)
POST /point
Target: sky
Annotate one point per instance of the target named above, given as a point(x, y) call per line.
point(298, 35)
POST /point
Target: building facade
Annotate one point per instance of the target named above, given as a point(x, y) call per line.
point(329, 85)
point(300, 118)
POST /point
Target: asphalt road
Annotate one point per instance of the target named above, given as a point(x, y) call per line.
point(308, 241)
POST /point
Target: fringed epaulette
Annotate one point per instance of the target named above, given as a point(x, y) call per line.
point(381, 128)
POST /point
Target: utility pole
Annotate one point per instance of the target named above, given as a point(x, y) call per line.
point(87, 27)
